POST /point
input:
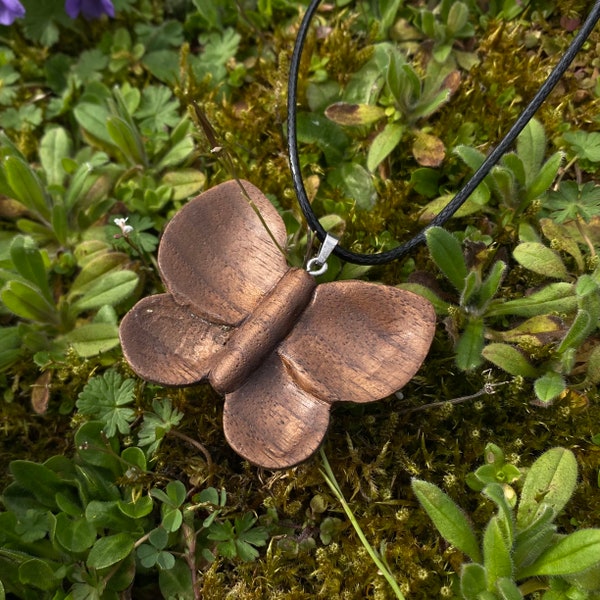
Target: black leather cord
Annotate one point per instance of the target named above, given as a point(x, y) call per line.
point(466, 191)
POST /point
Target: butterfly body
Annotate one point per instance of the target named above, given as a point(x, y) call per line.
point(279, 347)
point(262, 331)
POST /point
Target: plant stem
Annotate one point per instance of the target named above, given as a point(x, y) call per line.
point(335, 488)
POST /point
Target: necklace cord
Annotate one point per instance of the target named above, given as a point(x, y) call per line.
point(465, 191)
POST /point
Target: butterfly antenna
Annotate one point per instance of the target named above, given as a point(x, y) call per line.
point(220, 150)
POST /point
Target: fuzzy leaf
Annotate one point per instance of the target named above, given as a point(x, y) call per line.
point(496, 553)
point(383, 144)
point(470, 345)
point(551, 481)
point(447, 517)
point(447, 254)
point(531, 147)
point(540, 259)
point(574, 553)
point(473, 581)
point(549, 386)
point(54, 146)
point(509, 359)
point(91, 339)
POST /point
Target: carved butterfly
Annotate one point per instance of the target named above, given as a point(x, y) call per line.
point(280, 348)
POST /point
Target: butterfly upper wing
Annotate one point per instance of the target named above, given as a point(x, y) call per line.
point(217, 261)
point(271, 421)
point(358, 341)
point(216, 255)
point(164, 342)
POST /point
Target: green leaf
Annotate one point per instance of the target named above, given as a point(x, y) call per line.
point(28, 302)
point(440, 306)
point(383, 144)
point(104, 398)
point(127, 139)
point(54, 146)
point(549, 386)
point(95, 269)
point(533, 540)
point(585, 144)
point(496, 553)
point(137, 509)
point(574, 553)
point(29, 262)
point(447, 517)
point(531, 147)
point(91, 339)
point(26, 187)
point(39, 574)
point(74, 535)
point(540, 259)
point(111, 289)
point(473, 581)
point(546, 175)
point(93, 117)
point(177, 581)
point(39, 480)
point(110, 550)
point(469, 349)
point(95, 448)
point(184, 182)
point(551, 481)
point(490, 286)
point(447, 254)
point(555, 297)
point(507, 589)
point(495, 492)
point(509, 359)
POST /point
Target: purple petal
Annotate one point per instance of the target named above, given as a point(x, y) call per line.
point(72, 8)
point(10, 10)
point(90, 9)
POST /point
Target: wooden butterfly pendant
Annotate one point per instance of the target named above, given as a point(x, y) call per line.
point(280, 348)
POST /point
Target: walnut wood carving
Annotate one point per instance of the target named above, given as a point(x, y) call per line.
point(280, 348)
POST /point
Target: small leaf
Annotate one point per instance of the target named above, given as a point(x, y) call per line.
point(184, 182)
point(26, 187)
point(509, 359)
point(428, 150)
point(473, 581)
point(74, 535)
point(39, 574)
point(574, 553)
point(27, 302)
point(470, 345)
point(344, 113)
point(531, 147)
point(110, 550)
point(540, 259)
point(54, 146)
point(91, 339)
point(550, 481)
point(549, 386)
point(508, 589)
point(496, 553)
point(383, 144)
point(447, 517)
point(111, 289)
point(447, 254)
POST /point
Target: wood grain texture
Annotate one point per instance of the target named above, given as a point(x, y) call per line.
point(166, 343)
point(280, 348)
point(271, 421)
point(217, 257)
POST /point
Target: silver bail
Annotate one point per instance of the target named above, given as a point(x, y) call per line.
point(318, 265)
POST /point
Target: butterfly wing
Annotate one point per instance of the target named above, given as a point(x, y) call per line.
point(273, 422)
point(166, 343)
point(216, 255)
point(358, 341)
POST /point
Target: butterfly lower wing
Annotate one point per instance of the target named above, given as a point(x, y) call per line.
point(358, 341)
point(164, 342)
point(271, 421)
point(216, 254)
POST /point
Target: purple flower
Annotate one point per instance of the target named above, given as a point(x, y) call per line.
point(10, 10)
point(90, 9)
